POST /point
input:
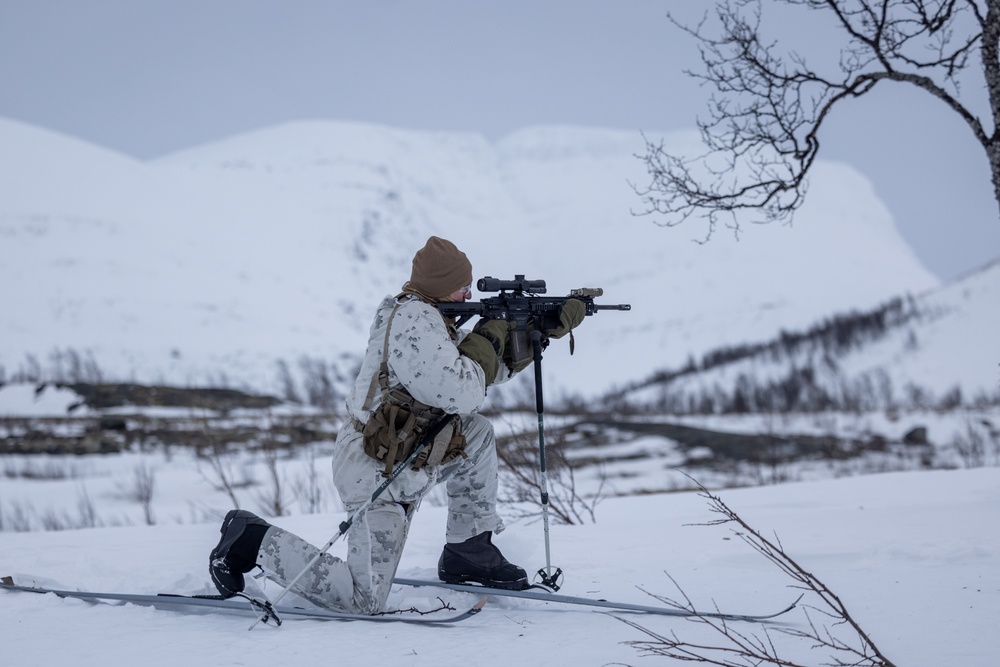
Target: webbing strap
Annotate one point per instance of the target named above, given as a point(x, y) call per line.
point(382, 377)
point(394, 442)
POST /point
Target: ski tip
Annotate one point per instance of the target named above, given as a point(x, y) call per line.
point(482, 603)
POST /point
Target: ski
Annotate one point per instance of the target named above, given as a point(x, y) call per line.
point(247, 605)
point(540, 593)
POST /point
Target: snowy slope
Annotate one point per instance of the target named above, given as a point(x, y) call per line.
point(909, 554)
point(961, 340)
point(212, 264)
point(945, 340)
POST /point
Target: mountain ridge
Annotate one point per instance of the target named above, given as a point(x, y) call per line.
point(218, 262)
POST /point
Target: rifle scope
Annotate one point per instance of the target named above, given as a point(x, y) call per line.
point(518, 284)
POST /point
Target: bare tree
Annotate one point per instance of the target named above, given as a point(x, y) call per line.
point(762, 132)
point(143, 486)
point(518, 460)
point(85, 506)
point(223, 472)
point(829, 627)
point(271, 499)
point(307, 488)
point(975, 444)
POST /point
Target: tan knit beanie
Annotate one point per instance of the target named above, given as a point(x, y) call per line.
point(439, 268)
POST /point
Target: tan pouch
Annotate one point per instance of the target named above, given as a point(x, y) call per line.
point(400, 424)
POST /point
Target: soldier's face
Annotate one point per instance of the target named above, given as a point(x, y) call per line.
point(461, 295)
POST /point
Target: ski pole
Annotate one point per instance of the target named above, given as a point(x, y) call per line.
point(549, 577)
point(349, 521)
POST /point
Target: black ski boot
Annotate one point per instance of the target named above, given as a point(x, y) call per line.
point(236, 553)
point(478, 560)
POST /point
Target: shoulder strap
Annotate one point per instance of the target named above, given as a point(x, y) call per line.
point(382, 377)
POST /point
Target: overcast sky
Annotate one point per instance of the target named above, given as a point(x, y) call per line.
point(150, 77)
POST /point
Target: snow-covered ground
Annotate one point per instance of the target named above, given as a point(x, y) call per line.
point(212, 265)
point(915, 556)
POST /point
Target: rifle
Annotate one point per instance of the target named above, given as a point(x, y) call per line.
point(517, 301)
point(532, 315)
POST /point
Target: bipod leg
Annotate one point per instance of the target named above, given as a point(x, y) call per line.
point(347, 523)
point(549, 577)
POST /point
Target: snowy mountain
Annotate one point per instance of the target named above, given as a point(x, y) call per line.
point(938, 349)
point(215, 264)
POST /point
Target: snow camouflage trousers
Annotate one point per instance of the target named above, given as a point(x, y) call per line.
point(362, 583)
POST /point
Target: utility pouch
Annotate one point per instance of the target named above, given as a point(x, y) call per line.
point(401, 423)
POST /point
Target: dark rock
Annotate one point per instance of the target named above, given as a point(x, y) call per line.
point(916, 436)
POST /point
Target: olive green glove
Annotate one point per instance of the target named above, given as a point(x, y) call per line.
point(485, 345)
point(495, 331)
point(570, 317)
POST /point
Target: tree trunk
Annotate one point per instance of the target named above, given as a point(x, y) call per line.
point(991, 70)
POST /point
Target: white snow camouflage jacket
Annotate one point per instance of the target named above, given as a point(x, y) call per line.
point(422, 358)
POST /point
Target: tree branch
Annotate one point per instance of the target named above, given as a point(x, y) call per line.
point(767, 112)
point(740, 648)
